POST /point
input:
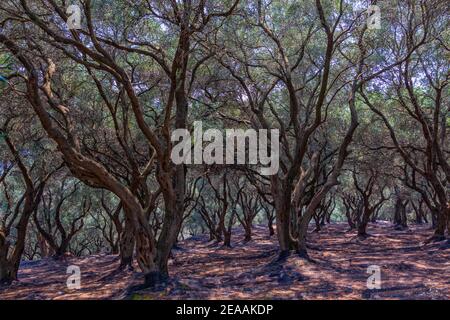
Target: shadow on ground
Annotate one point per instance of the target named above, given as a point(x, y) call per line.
point(205, 270)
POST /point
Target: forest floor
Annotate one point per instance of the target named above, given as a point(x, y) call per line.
point(205, 270)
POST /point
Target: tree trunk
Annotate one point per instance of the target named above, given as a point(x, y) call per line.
point(400, 219)
point(350, 221)
point(434, 222)
point(271, 229)
point(172, 222)
point(115, 248)
point(419, 219)
point(44, 248)
point(318, 224)
point(441, 225)
point(328, 215)
point(248, 234)
point(227, 239)
point(212, 235)
point(418, 210)
point(10, 261)
point(362, 225)
point(62, 249)
point(127, 244)
point(322, 219)
point(173, 184)
point(374, 217)
point(219, 232)
point(282, 199)
point(302, 233)
point(7, 272)
point(448, 219)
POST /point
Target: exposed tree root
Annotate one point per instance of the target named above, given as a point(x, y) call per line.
point(281, 258)
point(303, 254)
point(154, 282)
point(435, 238)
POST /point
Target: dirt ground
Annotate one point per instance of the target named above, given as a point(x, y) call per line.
point(205, 270)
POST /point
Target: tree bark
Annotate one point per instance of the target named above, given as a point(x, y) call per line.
point(127, 244)
point(271, 229)
point(283, 216)
point(227, 239)
point(400, 219)
point(362, 225)
point(7, 273)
